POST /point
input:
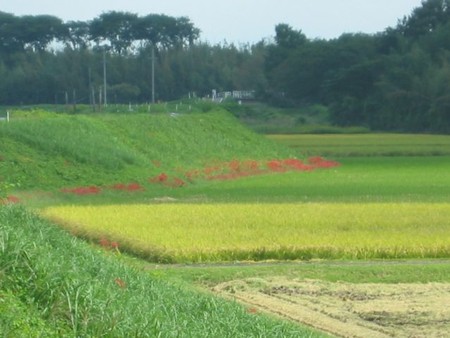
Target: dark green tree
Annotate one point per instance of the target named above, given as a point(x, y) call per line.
point(77, 34)
point(426, 18)
point(114, 28)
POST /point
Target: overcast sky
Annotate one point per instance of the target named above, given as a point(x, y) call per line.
point(239, 21)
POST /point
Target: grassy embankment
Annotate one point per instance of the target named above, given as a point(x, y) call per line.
point(59, 150)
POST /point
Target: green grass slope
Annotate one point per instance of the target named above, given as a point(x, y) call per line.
point(58, 150)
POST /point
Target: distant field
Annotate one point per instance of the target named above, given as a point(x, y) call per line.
point(357, 179)
point(381, 144)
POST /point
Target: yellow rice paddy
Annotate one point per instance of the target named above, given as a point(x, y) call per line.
point(209, 232)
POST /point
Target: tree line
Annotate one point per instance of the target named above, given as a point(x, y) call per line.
point(398, 79)
point(117, 31)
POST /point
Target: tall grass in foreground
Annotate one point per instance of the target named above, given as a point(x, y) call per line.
point(54, 285)
point(226, 232)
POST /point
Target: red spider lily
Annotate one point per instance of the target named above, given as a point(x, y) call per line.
point(292, 162)
point(234, 165)
point(104, 243)
point(107, 245)
point(10, 200)
point(276, 166)
point(134, 187)
point(164, 179)
point(236, 169)
point(92, 190)
point(13, 199)
point(120, 283)
point(296, 164)
point(115, 247)
point(160, 178)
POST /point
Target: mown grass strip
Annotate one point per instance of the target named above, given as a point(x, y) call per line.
point(227, 232)
point(367, 271)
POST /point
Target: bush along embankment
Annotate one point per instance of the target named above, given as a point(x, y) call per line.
point(52, 284)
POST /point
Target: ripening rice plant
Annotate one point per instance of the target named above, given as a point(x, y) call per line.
point(221, 232)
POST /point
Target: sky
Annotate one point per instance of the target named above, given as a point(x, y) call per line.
point(239, 21)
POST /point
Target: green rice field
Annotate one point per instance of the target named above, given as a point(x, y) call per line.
point(376, 144)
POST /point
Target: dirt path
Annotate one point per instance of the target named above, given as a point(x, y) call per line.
point(350, 310)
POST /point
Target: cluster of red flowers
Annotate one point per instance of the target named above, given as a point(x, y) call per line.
point(9, 200)
point(120, 283)
point(217, 171)
point(91, 190)
point(237, 169)
point(313, 163)
point(252, 310)
point(164, 179)
point(106, 244)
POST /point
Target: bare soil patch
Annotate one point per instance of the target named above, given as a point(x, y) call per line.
point(347, 309)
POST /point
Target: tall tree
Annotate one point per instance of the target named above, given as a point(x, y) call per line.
point(37, 32)
point(426, 18)
point(9, 41)
point(115, 28)
point(76, 34)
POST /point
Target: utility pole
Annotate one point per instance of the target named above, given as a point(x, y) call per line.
point(153, 74)
point(104, 79)
point(90, 85)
